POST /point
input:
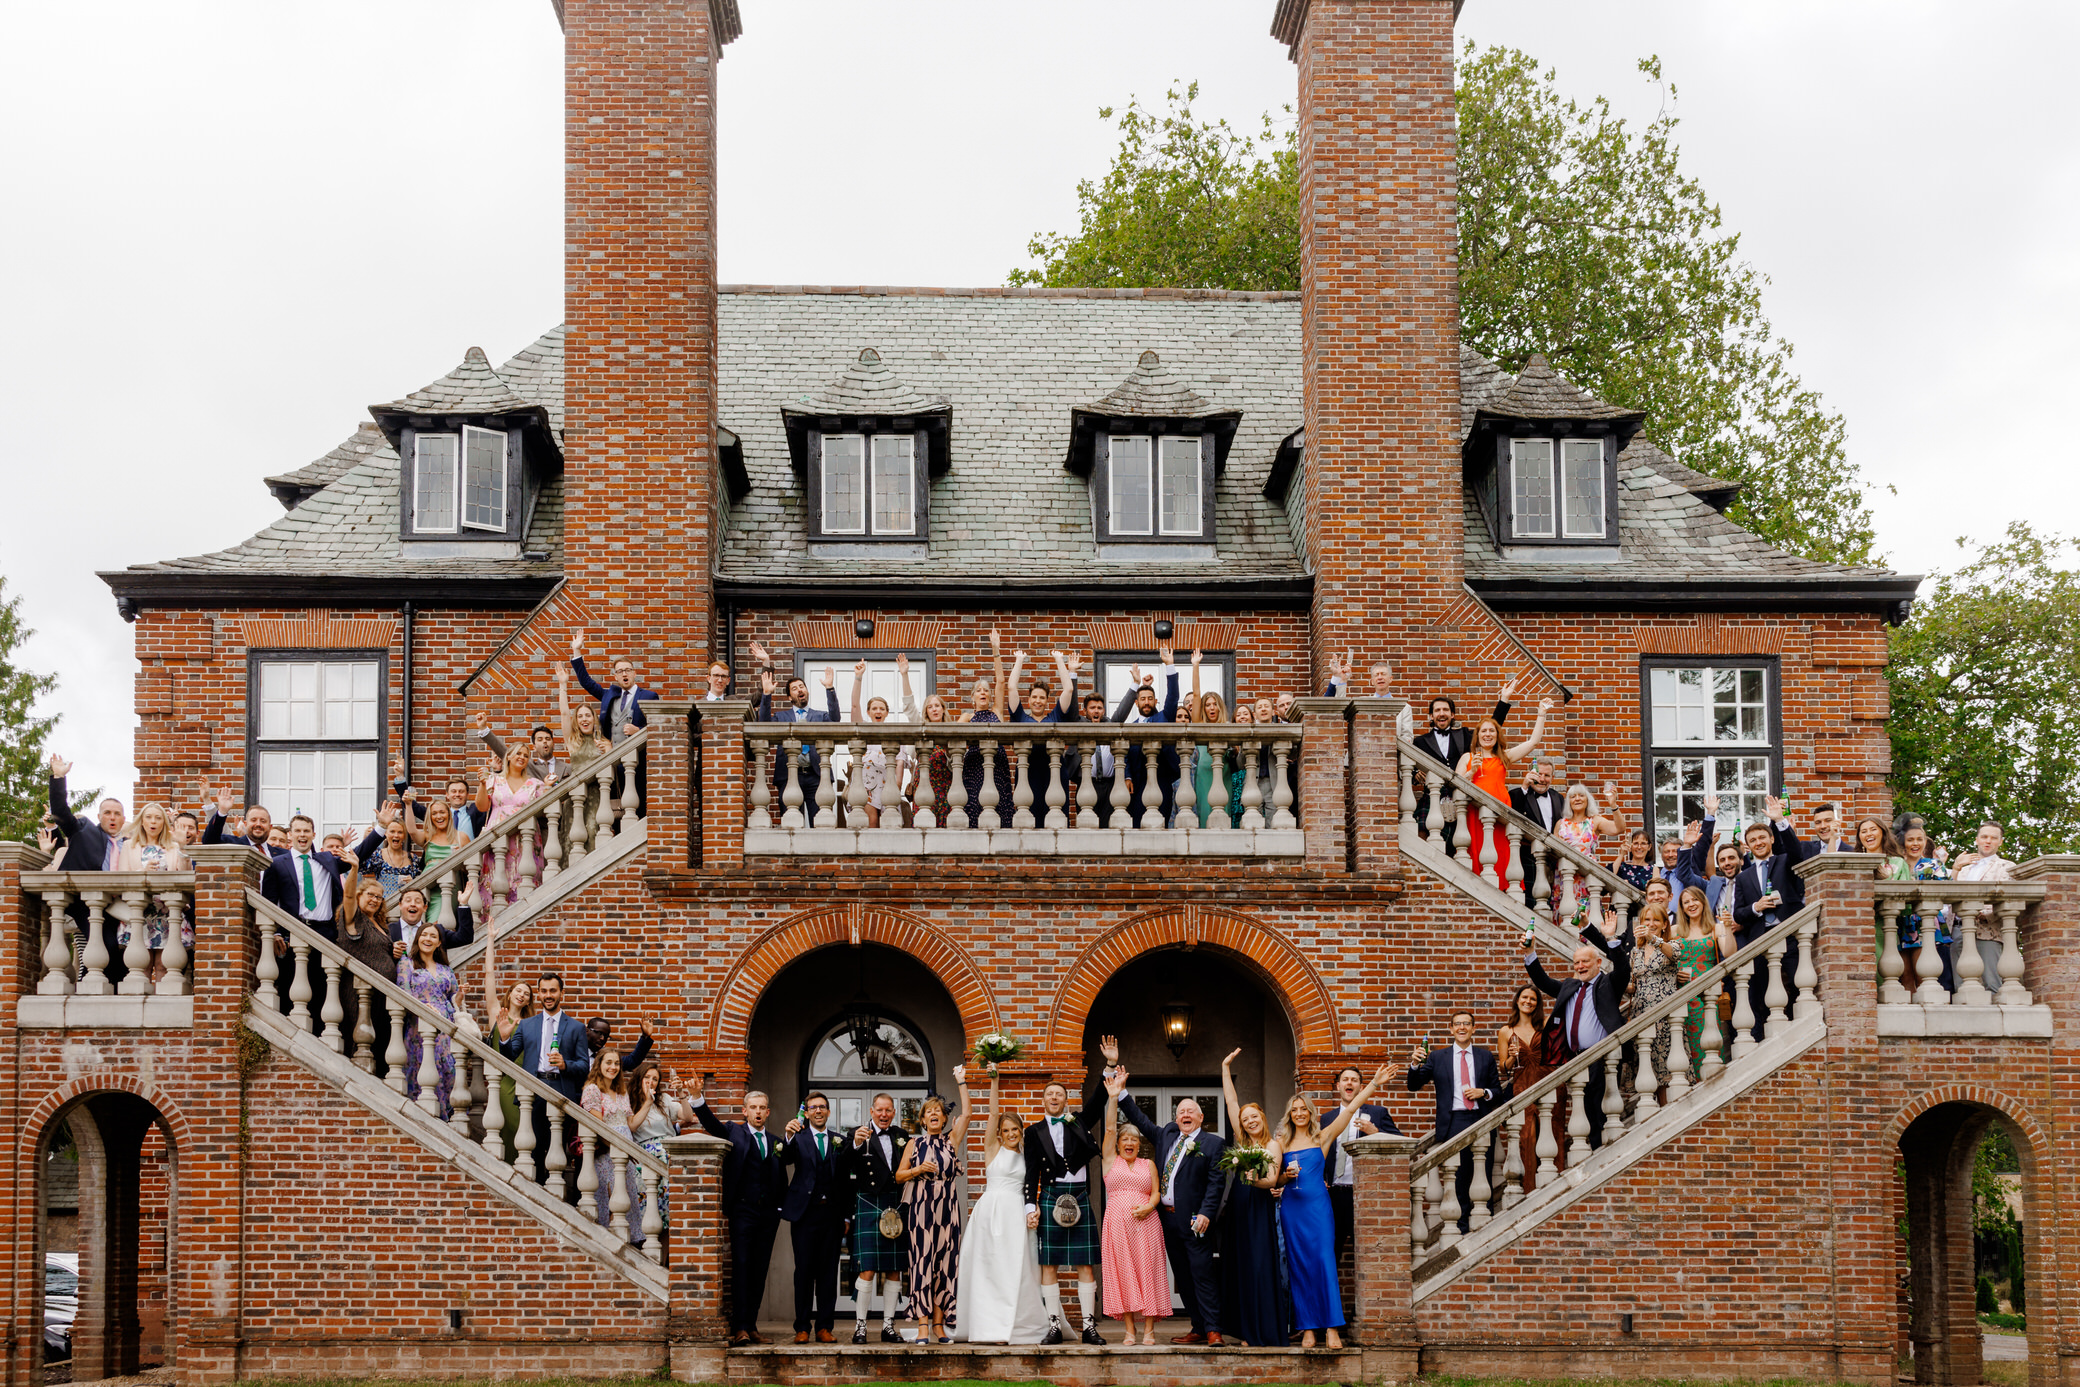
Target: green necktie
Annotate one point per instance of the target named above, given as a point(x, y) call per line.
point(310, 887)
point(821, 1150)
point(761, 1144)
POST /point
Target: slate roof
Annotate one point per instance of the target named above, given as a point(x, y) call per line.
point(1154, 391)
point(868, 387)
point(294, 488)
point(1538, 392)
point(471, 388)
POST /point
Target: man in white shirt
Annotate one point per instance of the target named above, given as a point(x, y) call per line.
point(1467, 1084)
point(1985, 863)
point(718, 683)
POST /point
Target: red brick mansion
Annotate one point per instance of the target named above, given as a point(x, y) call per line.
point(683, 471)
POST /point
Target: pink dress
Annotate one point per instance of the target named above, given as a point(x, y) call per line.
point(1582, 839)
point(1135, 1279)
point(506, 802)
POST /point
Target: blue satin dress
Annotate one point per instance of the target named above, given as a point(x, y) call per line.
point(1309, 1227)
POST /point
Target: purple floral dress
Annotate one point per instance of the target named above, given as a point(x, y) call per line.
point(434, 986)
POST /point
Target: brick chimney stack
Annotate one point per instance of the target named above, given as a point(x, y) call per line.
point(1380, 315)
point(639, 304)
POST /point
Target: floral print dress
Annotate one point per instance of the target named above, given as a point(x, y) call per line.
point(155, 859)
point(507, 801)
point(434, 986)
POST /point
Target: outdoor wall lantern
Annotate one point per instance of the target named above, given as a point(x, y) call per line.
point(1164, 631)
point(864, 628)
point(1177, 1025)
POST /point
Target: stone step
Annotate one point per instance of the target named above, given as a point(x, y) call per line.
point(1073, 1365)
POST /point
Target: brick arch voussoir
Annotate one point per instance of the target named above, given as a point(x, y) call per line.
point(729, 1026)
point(37, 1123)
point(2008, 1106)
point(1266, 952)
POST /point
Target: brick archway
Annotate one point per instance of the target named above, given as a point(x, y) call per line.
point(2011, 1108)
point(103, 1081)
point(1291, 978)
point(729, 1025)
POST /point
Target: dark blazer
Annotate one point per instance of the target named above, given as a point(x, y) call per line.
point(1438, 1070)
point(1379, 1117)
point(749, 1185)
point(1166, 711)
point(811, 764)
point(454, 938)
point(611, 696)
point(868, 1171)
point(526, 1041)
point(1043, 1164)
point(1694, 868)
point(1458, 740)
point(86, 846)
point(1609, 987)
point(1199, 1188)
point(1525, 802)
point(213, 832)
point(817, 1181)
point(1748, 922)
point(281, 885)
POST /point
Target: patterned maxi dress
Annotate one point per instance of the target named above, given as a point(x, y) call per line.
point(932, 1216)
point(506, 802)
point(1654, 981)
point(154, 859)
point(434, 986)
point(614, 1110)
point(1699, 956)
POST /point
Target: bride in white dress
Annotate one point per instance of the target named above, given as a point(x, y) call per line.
point(999, 1295)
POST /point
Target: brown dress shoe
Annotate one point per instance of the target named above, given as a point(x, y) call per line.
point(824, 1336)
point(1193, 1338)
point(740, 1339)
point(757, 1338)
point(1213, 1341)
point(801, 1336)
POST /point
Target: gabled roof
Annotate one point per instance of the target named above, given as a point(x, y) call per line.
point(292, 489)
point(471, 388)
point(1539, 393)
point(868, 389)
point(1155, 391)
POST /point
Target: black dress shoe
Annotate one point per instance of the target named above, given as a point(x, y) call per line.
point(1053, 1334)
point(1092, 1336)
point(889, 1335)
point(859, 1334)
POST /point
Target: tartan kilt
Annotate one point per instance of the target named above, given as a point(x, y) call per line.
point(871, 1251)
point(1068, 1247)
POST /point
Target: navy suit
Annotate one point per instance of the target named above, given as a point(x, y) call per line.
point(1694, 868)
point(1756, 880)
point(610, 698)
point(811, 765)
point(1606, 991)
point(525, 1045)
point(87, 849)
point(1195, 1190)
point(817, 1204)
point(752, 1188)
point(1137, 759)
point(281, 884)
point(1440, 1070)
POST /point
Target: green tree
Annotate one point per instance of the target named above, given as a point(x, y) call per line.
point(1984, 724)
point(24, 783)
point(1579, 237)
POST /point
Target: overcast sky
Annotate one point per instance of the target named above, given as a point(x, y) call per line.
point(232, 226)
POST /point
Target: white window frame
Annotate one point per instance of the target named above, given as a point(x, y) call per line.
point(470, 431)
point(1162, 472)
point(1723, 765)
point(317, 747)
point(419, 488)
point(1146, 466)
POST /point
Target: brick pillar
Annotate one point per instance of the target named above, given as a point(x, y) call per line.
point(697, 1319)
point(1324, 799)
point(1379, 322)
point(724, 790)
point(1376, 783)
point(639, 301)
point(1385, 1309)
point(21, 968)
point(668, 779)
point(210, 1263)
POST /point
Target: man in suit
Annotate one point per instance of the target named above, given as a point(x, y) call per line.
point(542, 762)
point(870, 1164)
point(1538, 801)
point(1985, 863)
point(1708, 867)
point(1191, 1204)
point(259, 824)
point(620, 707)
point(1369, 1121)
point(1446, 741)
point(754, 1180)
point(1767, 891)
point(1381, 676)
point(1139, 705)
point(796, 708)
point(89, 847)
point(308, 884)
point(553, 1046)
point(411, 913)
point(816, 1205)
point(1586, 1005)
point(1058, 1152)
point(1468, 1086)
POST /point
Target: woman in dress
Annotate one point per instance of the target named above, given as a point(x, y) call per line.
point(874, 763)
point(1523, 1053)
point(1914, 931)
point(999, 1287)
point(1633, 867)
point(424, 972)
point(1701, 944)
point(929, 1174)
point(389, 860)
point(364, 932)
point(1581, 829)
point(606, 1098)
point(656, 1117)
point(1241, 767)
point(987, 705)
point(582, 748)
point(1874, 835)
point(1305, 1218)
point(506, 792)
point(1207, 708)
point(441, 840)
point(1136, 1280)
point(1253, 1299)
point(939, 765)
point(1654, 981)
point(516, 1006)
point(1488, 765)
point(151, 845)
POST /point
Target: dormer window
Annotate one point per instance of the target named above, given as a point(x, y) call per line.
point(867, 485)
point(459, 476)
point(1153, 450)
point(1155, 486)
point(867, 449)
point(1558, 489)
point(1542, 462)
point(474, 458)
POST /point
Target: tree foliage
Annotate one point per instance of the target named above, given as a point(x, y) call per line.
point(24, 783)
point(1579, 237)
point(1984, 724)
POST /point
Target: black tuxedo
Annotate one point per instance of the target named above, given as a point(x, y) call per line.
point(88, 849)
point(1756, 880)
point(752, 1188)
point(1447, 747)
point(1526, 801)
point(817, 1205)
point(1195, 1189)
point(869, 1171)
point(1044, 1163)
point(1440, 1070)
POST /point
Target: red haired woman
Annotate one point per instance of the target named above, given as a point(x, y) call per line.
point(1488, 766)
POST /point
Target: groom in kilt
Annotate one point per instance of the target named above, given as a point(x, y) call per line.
point(1059, 1150)
point(870, 1164)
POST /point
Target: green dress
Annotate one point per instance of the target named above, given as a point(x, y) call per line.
point(435, 854)
point(1895, 869)
point(1699, 956)
point(1202, 783)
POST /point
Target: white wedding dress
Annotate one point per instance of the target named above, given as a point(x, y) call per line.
point(999, 1295)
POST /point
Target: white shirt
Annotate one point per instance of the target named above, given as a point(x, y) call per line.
point(321, 887)
point(1544, 802)
point(1058, 1134)
point(888, 1150)
point(1977, 871)
point(1343, 1167)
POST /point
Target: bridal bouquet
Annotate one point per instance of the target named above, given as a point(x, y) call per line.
point(1250, 1162)
point(996, 1049)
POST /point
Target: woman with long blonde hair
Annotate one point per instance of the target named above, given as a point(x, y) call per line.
point(1488, 765)
point(938, 766)
point(998, 1294)
point(1206, 708)
point(151, 845)
point(1253, 1305)
point(1305, 1218)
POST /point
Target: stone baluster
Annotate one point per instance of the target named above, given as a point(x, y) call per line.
point(460, 1095)
point(267, 967)
point(618, 1203)
point(494, 1118)
point(1117, 796)
point(300, 984)
point(1807, 974)
point(1743, 1012)
point(1408, 789)
point(856, 784)
point(1087, 786)
point(364, 1027)
point(603, 821)
point(95, 982)
point(479, 1078)
point(394, 1053)
point(447, 881)
point(588, 1175)
point(1281, 787)
point(1481, 1190)
point(2012, 993)
point(791, 785)
point(1462, 836)
point(332, 1011)
point(1449, 1208)
point(761, 767)
point(552, 840)
point(1891, 965)
point(1548, 1148)
point(1645, 1078)
point(1577, 1117)
point(892, 754)
point(631, 789)
point(1541, 879)
point(429, 1068)
point(989, 799)
point(1513, 877)
point(137, 954)
point(57, 980)
point(826, 786)
point(1613, 1096)
point(1151, 785)
point(1678, 1054)
point(1433, 1192)
point(524, 887)
point(1970, 967)
point(499, 884)
point(1485, 868)
point(1217, 789)
point(653, 1215)
point(1930, 993)
point(173, 982)
point(927, 798)
point(1186, 804)
point(1595, 890)
point(1709, 1042)
point(957, 783)
point(1418, 1219)
point(1433, 822)
point(1057, 795)
point(1513, 1158)
point(1253, 793)
point(523, 1131)
point(1773, 994)
point(470, 877)
point(555, 1160)
point(1022, 786)
point(1568, 899)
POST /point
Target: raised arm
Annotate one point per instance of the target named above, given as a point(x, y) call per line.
point(1170, 668)
point(1612, 821)
point(1014, 697)
point(957, 1130)
point(859, 678)
point(1228, 1086)
point(903, 680)
point(1343, 1118)
point(830, 692)
point(61, 810)
point(1197, 702)
point(996, 661)
point(1065, 667)
point(1530, 743)
point(1110, 1149)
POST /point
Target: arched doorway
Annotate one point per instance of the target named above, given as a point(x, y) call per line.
point(1949, 1216)
point(850, 1021)
point(108, 1191)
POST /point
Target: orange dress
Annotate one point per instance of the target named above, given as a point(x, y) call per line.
point(1492, 775)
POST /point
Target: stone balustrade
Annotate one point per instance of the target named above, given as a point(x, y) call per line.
point(85, 916)
point(1984, 919)
point(605, 1156)
point(1063, 819)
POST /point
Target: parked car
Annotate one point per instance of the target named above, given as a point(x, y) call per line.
point(60, 1302)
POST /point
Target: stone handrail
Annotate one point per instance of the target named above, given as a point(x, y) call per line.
point(1969, 902)
point(595, 1137)
point(127, 896)
point(1025, 744)
point(1574, 865)
point(1508, 1118)
point(539, 826)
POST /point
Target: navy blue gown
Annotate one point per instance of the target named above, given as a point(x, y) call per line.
point(1253, 1284)
point(1310, 1240)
